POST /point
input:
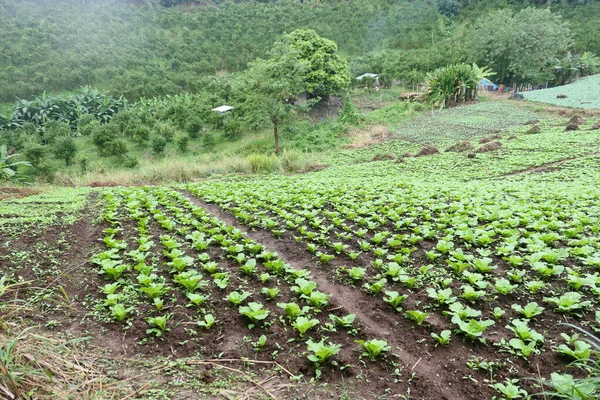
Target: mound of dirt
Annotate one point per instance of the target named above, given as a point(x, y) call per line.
point(571, 127)
point(383, 157)
point(561, 96)
point(407, 155)
point(460, 147)
point(577, 119)
point(496, 136)
point(511, 137)
point(471, 155)
point(104, 184)
point(485, 140)
point(427, 151)
point(400, 160)
point(596, 126)
point(534, 129)
point(491, 146)
point(532, 122)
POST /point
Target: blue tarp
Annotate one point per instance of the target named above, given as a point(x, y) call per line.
point(487, 83)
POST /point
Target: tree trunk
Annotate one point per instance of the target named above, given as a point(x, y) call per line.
point(276, 138)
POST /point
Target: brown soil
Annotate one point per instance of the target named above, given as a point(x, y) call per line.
point(571, 127)
point(596, 126)
point(561, 96)
point(460, 147)
point(534, 129)
point(485, 140)
point(512, 137)
point(383, 157)
point(577, 120)
point(428, 372)
point(16, 193)
point(427, 151)
point(491, 146)
point(400, 160)
point(532, 122)
point(471, 155)
point(104, 184)
point(407, 155)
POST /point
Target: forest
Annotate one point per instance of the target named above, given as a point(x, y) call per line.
point(154, 48)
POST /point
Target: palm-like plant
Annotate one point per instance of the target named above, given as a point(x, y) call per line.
point(8, 168)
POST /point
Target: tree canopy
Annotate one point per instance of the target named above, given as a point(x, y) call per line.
point(517, 46)
point(326, 73)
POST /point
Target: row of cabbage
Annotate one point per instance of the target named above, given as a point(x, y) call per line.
point(158, 243)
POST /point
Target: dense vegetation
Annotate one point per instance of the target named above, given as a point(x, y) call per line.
point(145, 49)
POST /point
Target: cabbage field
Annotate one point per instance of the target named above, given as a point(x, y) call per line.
point(584, 93)
point(457, 275)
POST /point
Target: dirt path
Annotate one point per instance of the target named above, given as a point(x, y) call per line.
point(437, 380)
point(548, 167)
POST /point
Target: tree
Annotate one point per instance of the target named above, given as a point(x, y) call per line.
point(326, 72)
point(518, 46)
point(65, 149)
point(270, 87)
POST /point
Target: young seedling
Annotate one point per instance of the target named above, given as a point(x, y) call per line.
point(271, 293)
point(373, 348)
point(395, 299)
point(418, 316)
point(303, 324)
point(255, 313)
point(443, 338)
point(208, 322)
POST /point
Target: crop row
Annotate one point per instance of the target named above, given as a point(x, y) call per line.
point(209, 269)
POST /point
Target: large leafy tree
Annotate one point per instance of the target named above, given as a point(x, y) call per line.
point(517, 46)
point(326, 73)
point(270, 87)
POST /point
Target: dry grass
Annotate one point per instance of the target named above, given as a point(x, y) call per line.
point(166, 170)
point(41, 367)
point(367, 136)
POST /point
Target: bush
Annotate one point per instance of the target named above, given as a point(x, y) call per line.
point(158, 144)
point(165, 131)
point(102, 135)
point(454, 84)
point(116, 148)
point(130, 161)
point(35, 153)
point(140, 134)
point(64, 148)
point(55, 130)
point(208, 139)
point(194, 127)
point(84, 164)
point(182, 143)
point(85, 124)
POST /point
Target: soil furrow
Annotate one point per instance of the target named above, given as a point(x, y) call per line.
point(434, 377)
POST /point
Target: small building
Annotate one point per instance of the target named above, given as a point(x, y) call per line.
point(375, 77)
point(223, 109)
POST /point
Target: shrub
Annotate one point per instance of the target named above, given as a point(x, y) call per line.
point(117, 148)
point(158, 144)
point(65, 149)
point(102, 135)
point(86, 124)
point(454, 84)
point(182, 143)
point(194, 126)
point(130, 161)
point(35, 153)
point(55, 130)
